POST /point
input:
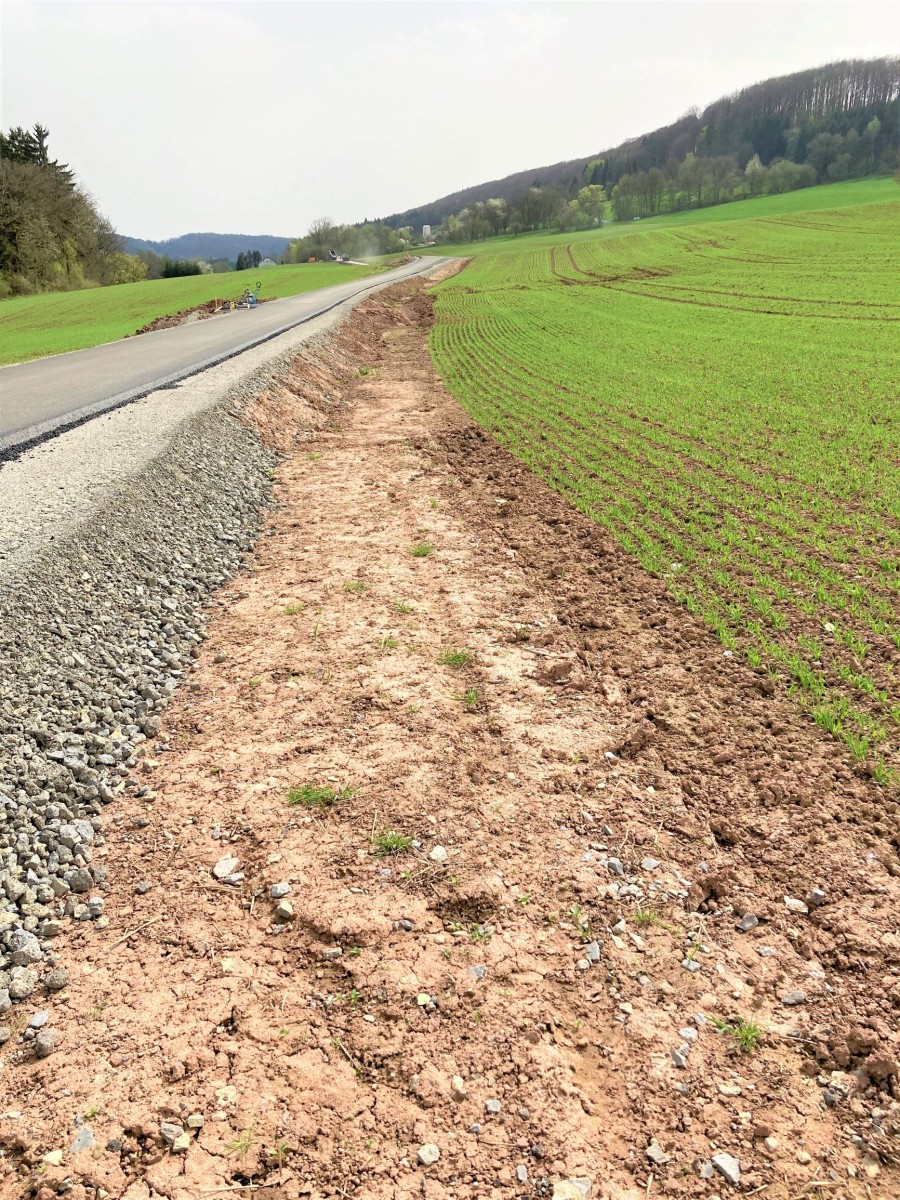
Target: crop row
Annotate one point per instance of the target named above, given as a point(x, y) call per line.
point(748, 454)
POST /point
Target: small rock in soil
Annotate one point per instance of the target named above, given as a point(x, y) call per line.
point(56, 980)
point(40, 1019)
point(794, 998)
point(592, 952)
point(181, 1144)
point(438, 855)
point(814, 898)
point(492, 1106)
point(521, 1173)
point(142, 888)
point(22, 983)
point(225, 867)
point(5, 1034)
point(729, 1166)
point(285, 911)
point(572, 1189)
point(795, 906)
point(428, 1154)
point(615, 866)
point(656, 1154)
point(690, 964)
point(278, 891)
point(747, 922)
point(83, 1140)
point(169, 1131)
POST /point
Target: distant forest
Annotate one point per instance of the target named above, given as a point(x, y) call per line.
point(828, 123)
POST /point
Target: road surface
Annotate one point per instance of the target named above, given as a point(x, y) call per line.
point(40, 398)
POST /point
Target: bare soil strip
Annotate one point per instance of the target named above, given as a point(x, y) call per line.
point(596, 798)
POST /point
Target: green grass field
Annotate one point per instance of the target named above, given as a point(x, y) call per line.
point(34, 326)
point(723, 397)
point(832, 195)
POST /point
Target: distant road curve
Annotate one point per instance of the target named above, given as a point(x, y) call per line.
point(41, 398)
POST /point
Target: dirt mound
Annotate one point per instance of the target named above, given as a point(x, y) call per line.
point(581, 900)
point(199, 312)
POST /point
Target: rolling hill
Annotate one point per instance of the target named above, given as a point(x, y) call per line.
point(210, 245)
point(777, 118)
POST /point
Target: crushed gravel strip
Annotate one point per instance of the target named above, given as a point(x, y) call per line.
point(114, 535)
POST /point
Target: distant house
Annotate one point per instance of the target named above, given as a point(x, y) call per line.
point(426, 233)
point(267, 262)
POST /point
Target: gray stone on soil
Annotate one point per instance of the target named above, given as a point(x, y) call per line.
point(428, 1154)
point(225, 867)
point(792, 999)
point(704, 1169)
point(688, 1034)
point(5, 1002)
point(573, 1188)
point(79, 881)
point(169, 1131)
point(22, 983)
point(24, 948)
point(40, 1019)
point(614, 866)
point(278, 891)
point(656, 1154)
point(679, 1058)
point(5, 1034)
point(747, 922)
point(690, 964)
point(492, 1106)
point(284, 912)
point(729, 1166)
point(438, 854)
point(45, 1042)
point(795, 906)
point(814, 898)
point(83, 1140)
point(649, 864)
point(95, 907)
point(332, 953)
point(479, 970)
point(521, 1173)
point(592, 952)
point(142, 888)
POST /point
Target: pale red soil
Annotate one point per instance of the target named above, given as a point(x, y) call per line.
point(607, 723)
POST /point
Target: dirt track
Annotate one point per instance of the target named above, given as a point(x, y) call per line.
point(615, 781)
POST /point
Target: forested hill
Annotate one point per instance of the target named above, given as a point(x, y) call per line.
point(776, 119)
point(210, 246)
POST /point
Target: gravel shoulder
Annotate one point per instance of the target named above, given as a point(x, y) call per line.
point(462, 872)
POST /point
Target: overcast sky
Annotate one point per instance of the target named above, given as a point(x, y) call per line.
point(258, 117)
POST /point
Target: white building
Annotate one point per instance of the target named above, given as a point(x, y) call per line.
point(268, 262)
point(426, 233)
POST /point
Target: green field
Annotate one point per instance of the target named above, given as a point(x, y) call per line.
point(723, 397)
point(832, 195)
point(34, 326)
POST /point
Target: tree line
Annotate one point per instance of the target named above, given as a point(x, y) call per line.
point(52, 235)
point(699, 180)
point(794, 118)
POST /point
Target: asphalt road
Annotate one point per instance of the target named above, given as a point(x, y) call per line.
point(40, 398)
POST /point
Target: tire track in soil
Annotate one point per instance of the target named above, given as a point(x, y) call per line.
point(608, 727)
